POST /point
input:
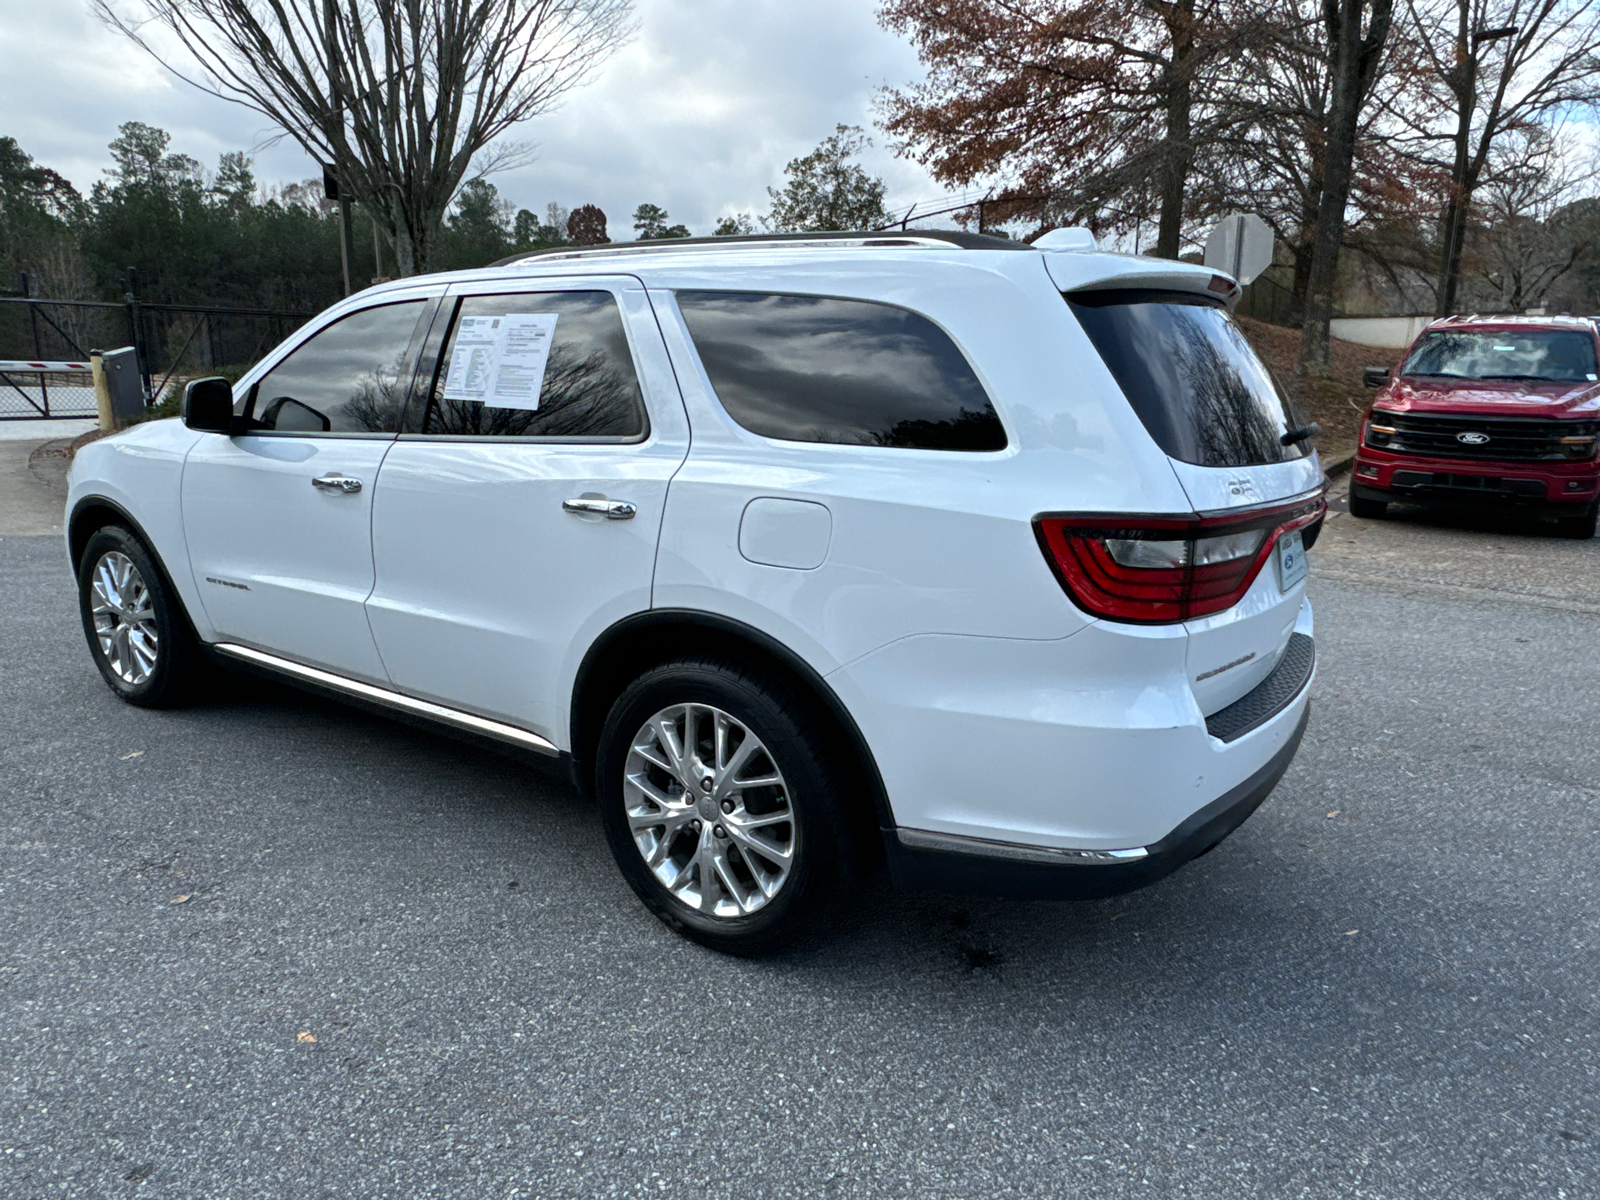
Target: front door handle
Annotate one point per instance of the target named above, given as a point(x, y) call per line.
point(615, 510)
point(336, 482)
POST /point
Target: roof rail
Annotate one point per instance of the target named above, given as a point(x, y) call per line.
point(821, 239)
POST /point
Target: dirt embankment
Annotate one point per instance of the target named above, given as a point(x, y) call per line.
point(1337, 403)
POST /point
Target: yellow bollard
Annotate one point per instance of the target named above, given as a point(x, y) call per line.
point(102, 393)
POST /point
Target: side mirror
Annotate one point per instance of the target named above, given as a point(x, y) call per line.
point(1375, 376)
point(208, 405)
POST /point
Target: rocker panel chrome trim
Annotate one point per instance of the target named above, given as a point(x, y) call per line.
point(391, 699)
point(926, 839)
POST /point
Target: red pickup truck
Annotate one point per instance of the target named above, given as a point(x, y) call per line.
point(1492, 413)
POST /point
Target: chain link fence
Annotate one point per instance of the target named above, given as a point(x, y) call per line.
point(173, 342)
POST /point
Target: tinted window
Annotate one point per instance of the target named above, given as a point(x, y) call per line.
point(816, 369)
point(1559, 356)
point(1190, 375)
point(348, 378)
point(540, 364)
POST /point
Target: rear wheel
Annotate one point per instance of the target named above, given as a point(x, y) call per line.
point(1367, 510)
point(722, 805)
point(1581, 526)
point(137, 632)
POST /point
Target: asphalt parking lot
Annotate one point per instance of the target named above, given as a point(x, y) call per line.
point(272, 947)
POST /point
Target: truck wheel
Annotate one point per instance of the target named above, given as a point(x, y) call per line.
point(138, 632)
point(722, 805)
point(1367, 510)
point(1581, 526)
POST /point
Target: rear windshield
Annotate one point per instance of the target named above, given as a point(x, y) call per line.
point(1551, 355)
point(1188, 372)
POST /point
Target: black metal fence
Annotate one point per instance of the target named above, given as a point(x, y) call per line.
point(171, 340)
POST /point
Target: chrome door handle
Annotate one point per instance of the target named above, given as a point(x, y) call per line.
point(336, 482)
point(614, 510)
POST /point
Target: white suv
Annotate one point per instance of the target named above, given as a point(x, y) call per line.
point(982, 558)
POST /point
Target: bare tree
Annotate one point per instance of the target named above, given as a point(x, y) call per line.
point(1355, 33)
point(1539, 219)
point(1500, 66)
point(403, 98)
point(1274, 105)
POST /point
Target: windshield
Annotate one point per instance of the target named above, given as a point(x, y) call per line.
point(1190, 375)
point(1553, 355)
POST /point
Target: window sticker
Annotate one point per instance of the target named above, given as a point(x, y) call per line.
point(499, 362)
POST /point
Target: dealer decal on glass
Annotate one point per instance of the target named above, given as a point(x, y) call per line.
point(499, 362)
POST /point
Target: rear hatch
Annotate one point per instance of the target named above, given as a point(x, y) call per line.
point(1240, 452)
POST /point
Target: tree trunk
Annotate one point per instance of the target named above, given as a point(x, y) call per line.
point(1354, 61)
point(1463, 83)
point(1177, 151)
point(404, 258)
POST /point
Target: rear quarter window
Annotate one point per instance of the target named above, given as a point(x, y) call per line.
point(1188, 372)
point(849, 372)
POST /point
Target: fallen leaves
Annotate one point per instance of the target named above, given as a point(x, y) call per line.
point(1351, 932)
point(1333, 814)
point(305, 1036)
point(180, 899)
point(130, 754)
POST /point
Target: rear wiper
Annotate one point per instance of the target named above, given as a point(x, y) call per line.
point(1300, 434)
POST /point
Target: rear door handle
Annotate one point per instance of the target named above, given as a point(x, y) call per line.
point(615, 510)
point(336, 482)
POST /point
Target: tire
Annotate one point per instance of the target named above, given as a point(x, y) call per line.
point(1580, 527)
point(138, 633)
point(645, 751)
point(1367, 510)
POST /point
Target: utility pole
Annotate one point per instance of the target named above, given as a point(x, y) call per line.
point(330, 181)
point(332, 190)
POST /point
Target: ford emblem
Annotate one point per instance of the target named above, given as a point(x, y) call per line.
point(1472, 438)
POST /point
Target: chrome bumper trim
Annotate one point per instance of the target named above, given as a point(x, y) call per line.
point(925, 839)
point(391, 699)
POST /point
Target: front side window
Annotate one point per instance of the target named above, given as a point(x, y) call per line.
point(1188, 372)
point(820, 369)
point(1544, 355)
point(535, 365)
point(347, 378)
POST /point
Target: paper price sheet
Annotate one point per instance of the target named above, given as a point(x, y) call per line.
point(499, 362)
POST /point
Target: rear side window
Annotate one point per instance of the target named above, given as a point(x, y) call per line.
point(1190, 375)
point(850, 372)
point(533, 365)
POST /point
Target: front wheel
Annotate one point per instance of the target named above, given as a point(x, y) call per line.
point(722, 805)
point(137, 631)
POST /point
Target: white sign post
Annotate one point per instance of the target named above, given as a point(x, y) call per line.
point(1240, 245)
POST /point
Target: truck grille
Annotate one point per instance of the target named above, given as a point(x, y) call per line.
point(1505, 439)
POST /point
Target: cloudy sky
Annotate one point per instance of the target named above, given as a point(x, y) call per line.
point(698, 114)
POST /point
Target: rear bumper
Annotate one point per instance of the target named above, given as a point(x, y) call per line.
point(1473, 483)
point(942, 862)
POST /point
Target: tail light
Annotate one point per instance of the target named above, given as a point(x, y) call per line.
point(1160, 570)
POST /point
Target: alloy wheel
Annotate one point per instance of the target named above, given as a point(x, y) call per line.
point(124, 618)
point(709, 810)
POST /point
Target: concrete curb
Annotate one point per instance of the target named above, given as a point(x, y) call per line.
point(1339, 465)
